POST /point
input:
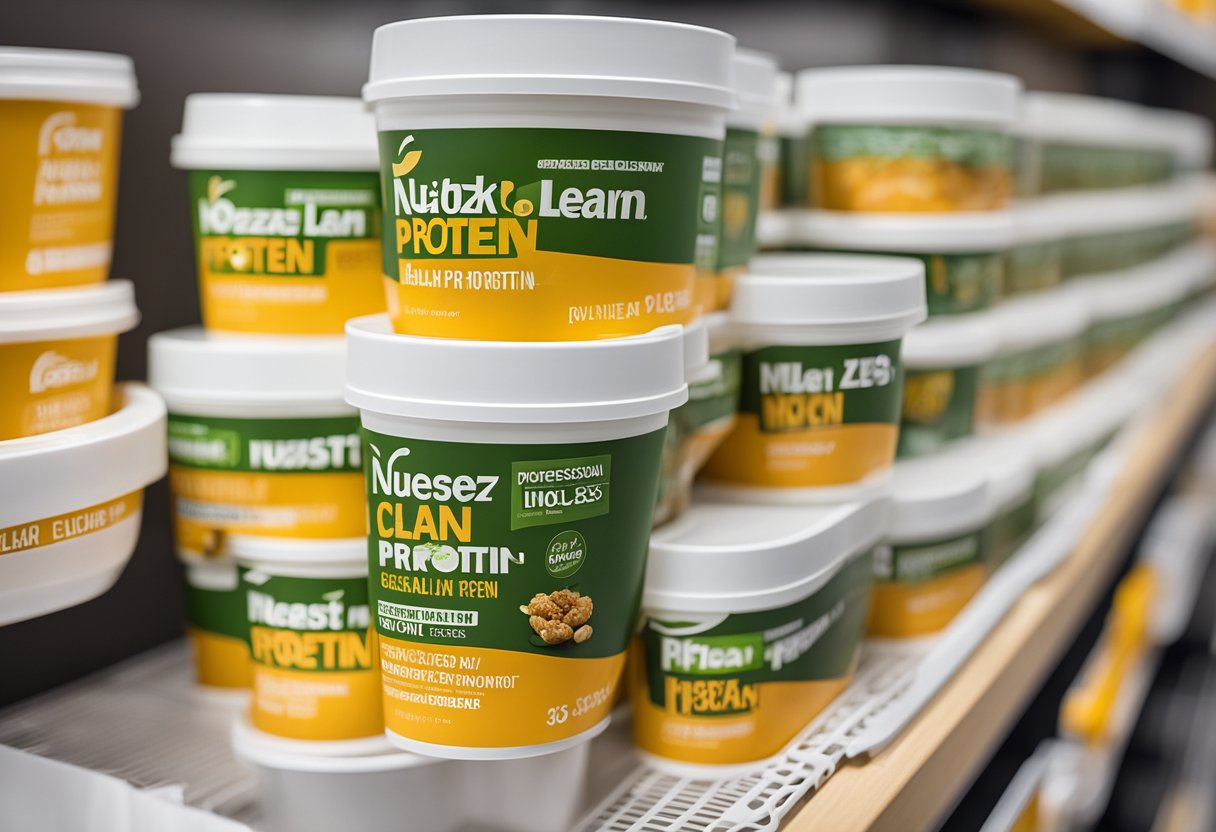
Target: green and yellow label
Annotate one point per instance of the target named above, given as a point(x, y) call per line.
point(48, 531)
point(740, 205)
point(267, 477)
point(813, 416)
point(1010, 528)
point(291, 252)
point(1018, 385)
point(219, 634)
point(938, 408)
point(919, 588)
point(542, 234)
point(505, 582)
point(738, 688)
point(909, 168)
point(315, 675)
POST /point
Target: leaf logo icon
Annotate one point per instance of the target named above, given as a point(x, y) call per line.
point(217, 187)
point(409, 161)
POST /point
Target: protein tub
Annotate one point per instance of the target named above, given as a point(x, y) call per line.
point(965, 255)
point(753, 617)
point(285, 205)
point(61, 129)
point(216, 625)
point(69, 527)
point(748, 127)
point(511, 489)
point(558, 154)
point(57, 350)
point(1036, 258)
point(1126, 308)
point(942, 361)
point(260, 439)
point(1010, 472)
point(822, 380)
point(1038, 360)
point(933, 561)
point(312, 648)
point(909, 138)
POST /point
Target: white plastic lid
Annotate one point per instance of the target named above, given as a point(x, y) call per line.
point(283, 754)
point(1131, 292)
point(950, 341)
point(727, 557)
point(937, 496)
point(275, 132)
point(827, 290)
point(976, 232)
point(755, 80)
point(70, 469)
point(67, 75)
point(43, 315)
point(1081, 119)
point(717, 326)
point(1037, 221)
point(1005, 462)
point(214, 574)
point(1086, 213)
point(696, 348)
point(520, 382)
point(196, 370)
point(907, 95)
point(1035, 320)
point(537, 54)
point(286, 551)
point(1081, 421)
point(1190, 137)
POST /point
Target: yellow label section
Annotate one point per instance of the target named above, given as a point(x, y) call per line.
point(51, 385)
point(72, 524)
point(333, 705)
point(209, 504)
point(58, 187)
point(1028, 818)
point(543, 296)
point(903, 610)
point(712, 290)
point(290, 304)
point(1003, 402)
point(835, 455)
point(483, 698)
point(220, 661)
point(781, 711)
point(879, 183)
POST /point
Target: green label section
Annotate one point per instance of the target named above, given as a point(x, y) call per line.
point(698, 670)
point(492, 192)
point(939, 406)
point(309, 624)
point(280, 222)
point(452, 563)
point(740, 198)
point(280, 446)
point(920, 562)
point(972, 148)
point(220, 611)
point(792, 388)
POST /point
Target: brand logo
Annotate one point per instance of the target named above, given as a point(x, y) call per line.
point(305, 215)
point(51, 370)
point(59, 134)
point(463, 488)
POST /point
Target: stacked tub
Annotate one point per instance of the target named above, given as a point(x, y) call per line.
point(76, 452)
point(265, 467)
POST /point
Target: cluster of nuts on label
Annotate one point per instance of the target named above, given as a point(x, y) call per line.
point(559, 616)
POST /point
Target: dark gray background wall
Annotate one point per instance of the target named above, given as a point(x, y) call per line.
point(321, 46)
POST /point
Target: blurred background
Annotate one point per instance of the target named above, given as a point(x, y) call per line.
point(321, 47)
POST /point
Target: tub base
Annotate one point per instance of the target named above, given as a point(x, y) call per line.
point(456, 752)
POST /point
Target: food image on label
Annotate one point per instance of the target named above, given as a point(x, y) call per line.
point(219, 634)
point(909, 168)
point(813, 416)
point(265, 477)
point(542, 234)
point(938, 408)
point(314, 657)
point(287, 251)
point(61, 170)
point(51, 385)
point(738, 209)
point(47, 531)
point(505, 582)
point(731, 689)
point(919, 588)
